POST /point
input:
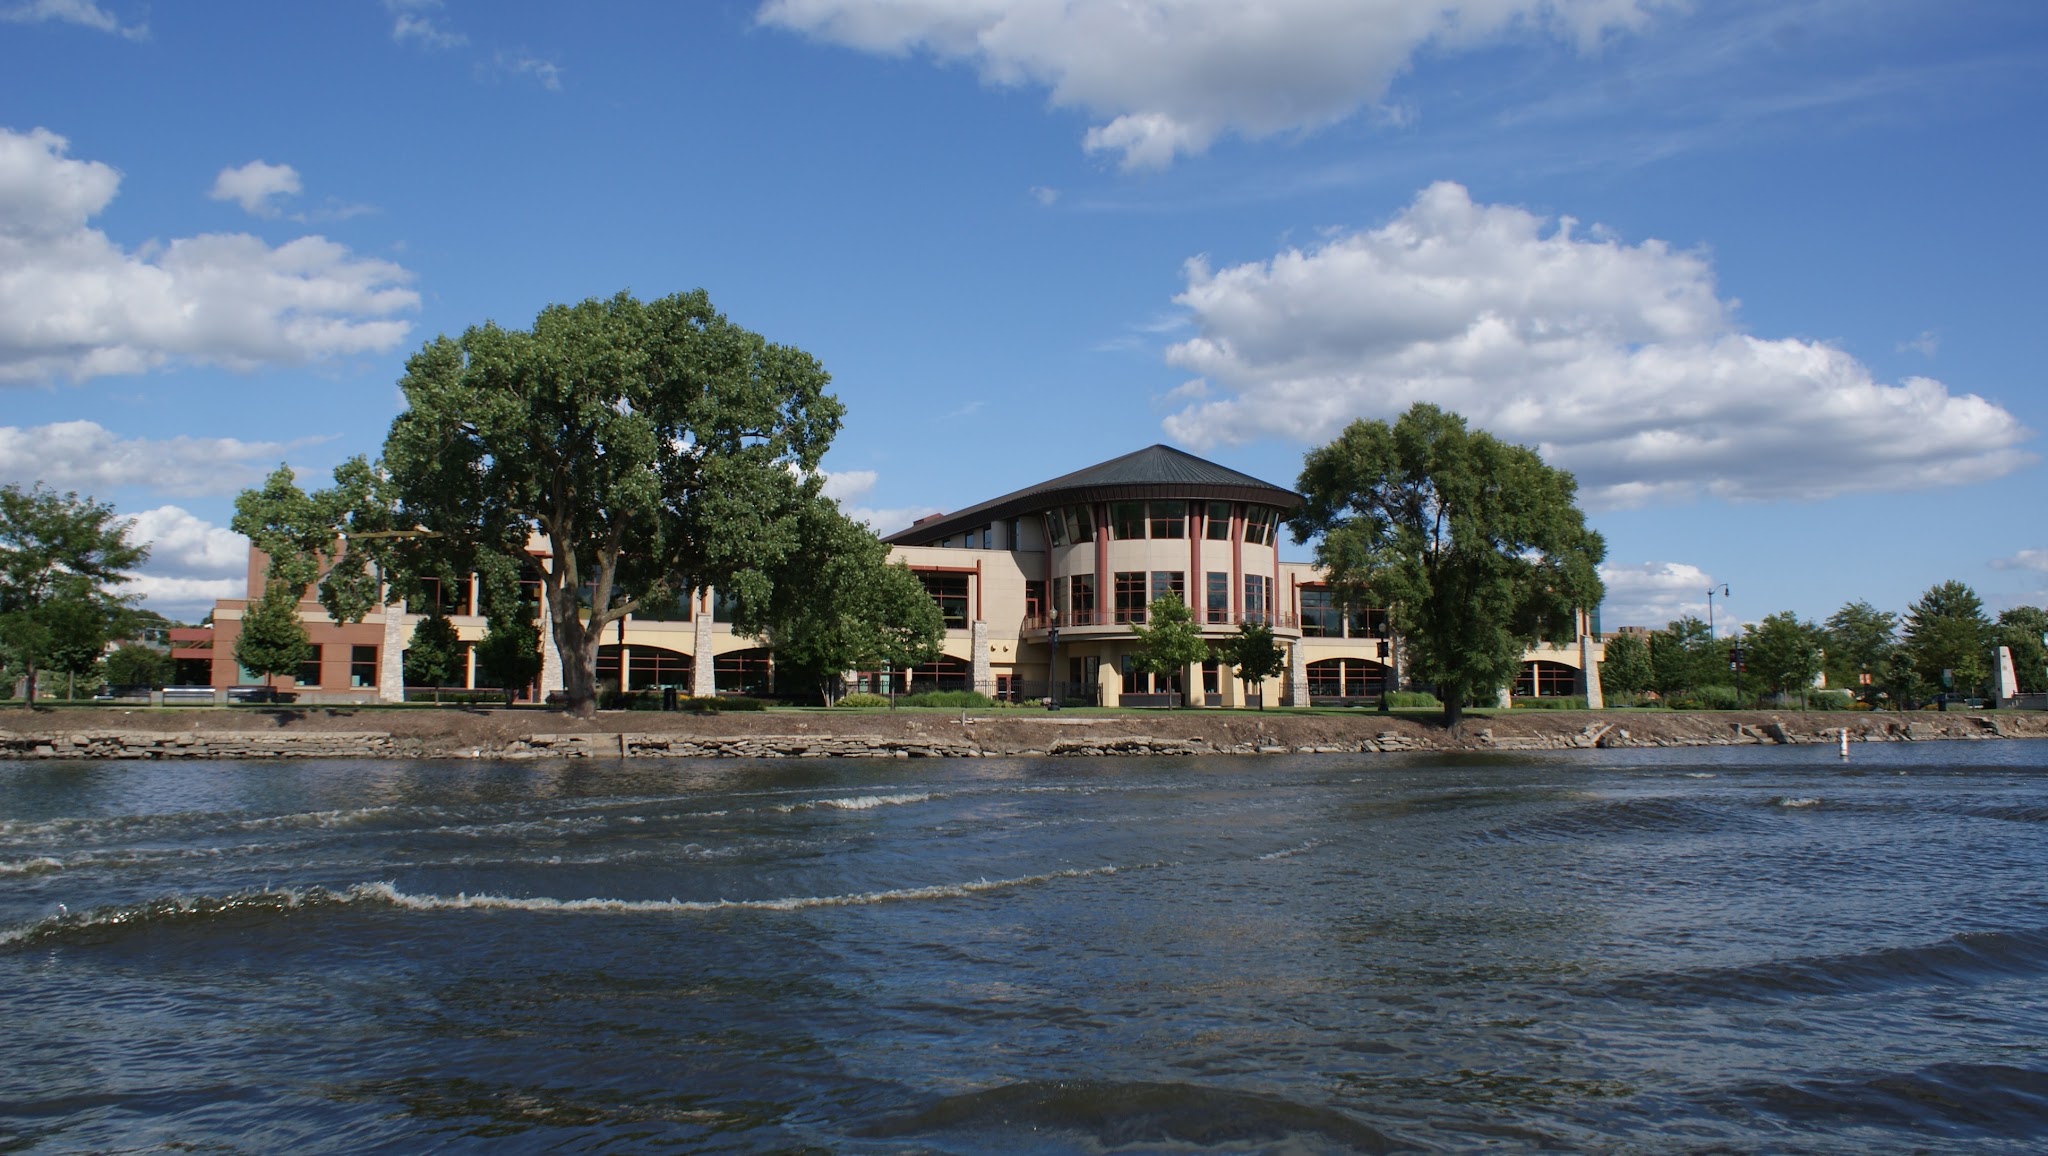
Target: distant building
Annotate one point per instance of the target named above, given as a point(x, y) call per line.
point(1084, 554)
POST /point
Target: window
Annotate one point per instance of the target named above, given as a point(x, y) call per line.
point(362, 666)
point(1368, 622)
point(1034, 598)
point(1219, 522)
point(1345, 678)
point(744, 671)
point(1084, 599)
point(1546, 680)
point(950, 592)
point(1320, 615)
point(1126, 521)
point(309, 670)
point(675, 608)
point(1258, 526)
point(450, 598)
point(1016, 534)
point(1219, 596)
point(1169, 519)
point(1130, 596)
point(1172, 582)
point(1255, 586)
point(1056, 528)
point(1080, 524)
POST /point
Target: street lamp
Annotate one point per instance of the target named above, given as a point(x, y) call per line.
point(1710, 607)
point(1052, 663)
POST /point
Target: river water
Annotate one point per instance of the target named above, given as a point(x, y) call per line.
point(1734, 949)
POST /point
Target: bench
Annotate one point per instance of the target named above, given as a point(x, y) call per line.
point(189, 696)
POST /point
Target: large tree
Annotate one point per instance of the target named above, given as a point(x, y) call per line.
point(835, 603)
point(60, 556)
point(1860, 639)
point(1477, 545)
point(1625, 668)
point(272, 640)
point(653, 448)
point(1255, 655)
point(508, 656)
point(1946, 631)
point(434, 655)
point(1785, 653)
point(1172, 643)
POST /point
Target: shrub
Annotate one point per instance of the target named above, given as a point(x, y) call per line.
point(715, 704)
point(1411, 699)
point(947, 698)
point(1708, 698)
point(1831, 700)
point(1561, 702)
point(861, 700)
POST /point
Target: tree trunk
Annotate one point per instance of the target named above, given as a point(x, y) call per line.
point(577, 646)
point(1454, 707)
point(31, 682)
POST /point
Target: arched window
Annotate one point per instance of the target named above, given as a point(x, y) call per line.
point(647, 667)
point(1540, 679)
point(1341, 678)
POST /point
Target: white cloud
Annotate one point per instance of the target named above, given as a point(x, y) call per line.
point(1045, 195)
point(81, 12)
point(255, 186)
point(74, 304)
point(192, 562)
point(417, 22)
point(1171, 76)
point(2024, 560)
point(1927, 344)
point(848, 486)
point(1653, 594)
point(521, 64)
point(83, 456)
point(1619, 362)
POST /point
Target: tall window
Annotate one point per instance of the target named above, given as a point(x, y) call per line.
point(1034, 598)
point(1130, 596)
point(950, 592)
point(1060, 587)
point(1056, 528)
point(1080, 524)
point(1255, 587)
point(1258, 526)
point(1084, 599)
point(1219, 596)
point(362, 666)
point(1172, 582)
point(1169, 519)
point(1368, 621)
point(1126, 520)
point(1321, 617)
point(1219, 522)
point(309, 670)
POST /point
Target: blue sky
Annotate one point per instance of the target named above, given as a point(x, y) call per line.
point(1764, 275)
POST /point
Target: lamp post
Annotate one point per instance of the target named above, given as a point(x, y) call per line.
point(1723, 587)
point(1052, 664)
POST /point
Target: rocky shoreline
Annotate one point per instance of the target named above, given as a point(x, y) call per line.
point(340, 733)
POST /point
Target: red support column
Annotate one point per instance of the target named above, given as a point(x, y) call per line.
point(1236, 564)
point(1103, 591)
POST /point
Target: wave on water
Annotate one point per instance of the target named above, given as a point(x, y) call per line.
point(174, 910)
point(1290, 852)
point(1953, 1098)
point(40, 865)
point(1654, 814)
point(1960, 960)
point(859, 802)
point(1795, 801)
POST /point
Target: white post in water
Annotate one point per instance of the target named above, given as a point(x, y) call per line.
point(1845, 742)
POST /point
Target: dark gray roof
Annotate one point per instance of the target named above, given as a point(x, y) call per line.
point(1153, 472)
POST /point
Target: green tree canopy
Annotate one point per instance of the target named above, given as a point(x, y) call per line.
point(1476, 544)
point(139, 666)
point(434, 656)
point(1859, 640)
point(1685, 657)
point(1256, 655)
point(61, 558)
point(835, 603)
point(1946, 630)
point(508, 656)
point(1172, 643)
point(1625, 665)
point(1785, 653)
point(272, 640)
point(654, 447)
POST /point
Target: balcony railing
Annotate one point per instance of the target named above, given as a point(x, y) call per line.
point(1073, 619)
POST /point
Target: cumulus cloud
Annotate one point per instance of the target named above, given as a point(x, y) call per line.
point(1619, 362)
point(1168, 77)
point(847, 487)
point(84, 13)
point(256, 186)
point(74, 304)
point(2024, 560)
point(192, 562)
point(86, 457)
point(1653, 594)
point(522, 64)
point(417, 22)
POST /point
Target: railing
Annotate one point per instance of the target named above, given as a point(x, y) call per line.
point(1277, 619)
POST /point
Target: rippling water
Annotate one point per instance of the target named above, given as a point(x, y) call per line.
point(1735, 949)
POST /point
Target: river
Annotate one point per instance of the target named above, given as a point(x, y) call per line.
point(1734, 949)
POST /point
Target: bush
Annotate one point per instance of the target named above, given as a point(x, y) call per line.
point(1832, 700)
point(1561, 702)
point(949, 698)
point(1707, 698)
point(722, 703)
point(1412, 699)
point(861, 700)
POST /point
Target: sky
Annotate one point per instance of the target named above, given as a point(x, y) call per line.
point(1766, 276)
